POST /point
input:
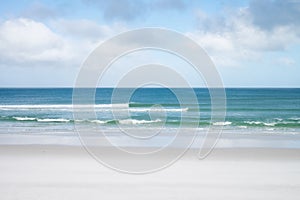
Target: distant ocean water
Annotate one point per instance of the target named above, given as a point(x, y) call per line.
point(248, 110)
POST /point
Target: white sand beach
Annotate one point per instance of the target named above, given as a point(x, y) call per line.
point(68, 172)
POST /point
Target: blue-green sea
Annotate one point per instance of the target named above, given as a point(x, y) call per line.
point(52, 109)
point(248, 111)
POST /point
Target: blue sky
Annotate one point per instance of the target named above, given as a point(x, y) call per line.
point(252, 43)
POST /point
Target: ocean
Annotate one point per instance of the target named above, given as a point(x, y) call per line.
point(34, 111)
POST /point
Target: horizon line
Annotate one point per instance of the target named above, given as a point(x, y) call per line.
point(230, 87)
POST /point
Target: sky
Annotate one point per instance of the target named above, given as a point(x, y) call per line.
point(253, 43)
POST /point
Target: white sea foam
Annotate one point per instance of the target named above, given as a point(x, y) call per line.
point(222, 123)
point(24, 118)
point(99, 121)
point(63, 106)
point(253, 122)
point(295, 118)
point(278, 119)
point(263, 123)
point(41, 120)
point(97, 107)
point(270, 124)
point(53, 120)
point(158, 109)
point(135, 121)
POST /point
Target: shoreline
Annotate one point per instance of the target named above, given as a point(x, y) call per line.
point(226, 140)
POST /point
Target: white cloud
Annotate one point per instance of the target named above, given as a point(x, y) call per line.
point(26, 42)
point(232, 40)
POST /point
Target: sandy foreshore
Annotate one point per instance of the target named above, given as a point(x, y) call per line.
point(68, 172)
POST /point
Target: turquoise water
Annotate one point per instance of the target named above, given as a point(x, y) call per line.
point(248, 110)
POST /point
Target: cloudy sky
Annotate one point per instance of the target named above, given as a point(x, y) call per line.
point(253, 43)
